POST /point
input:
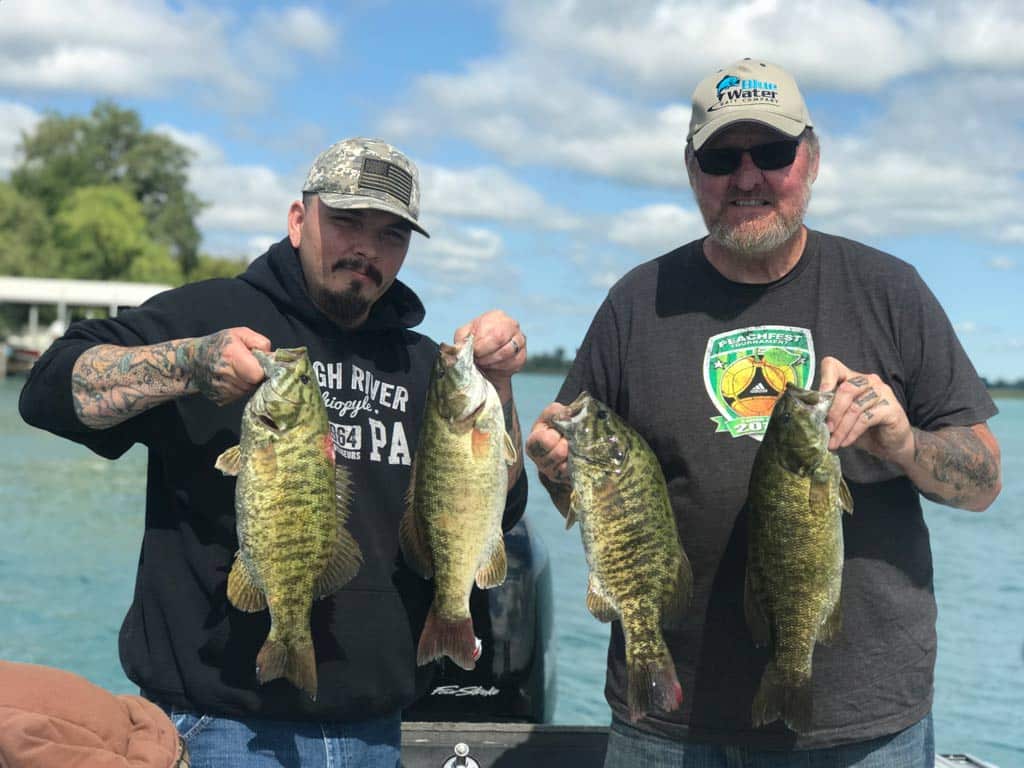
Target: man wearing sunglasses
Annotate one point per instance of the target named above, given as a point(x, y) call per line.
point(693, 349)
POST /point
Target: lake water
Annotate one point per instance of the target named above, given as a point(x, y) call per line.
point(72, 523)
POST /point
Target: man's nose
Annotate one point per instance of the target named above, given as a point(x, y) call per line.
point(364, 244)
point(748, 175)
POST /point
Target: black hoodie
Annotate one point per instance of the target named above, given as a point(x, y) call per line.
point(181, 641)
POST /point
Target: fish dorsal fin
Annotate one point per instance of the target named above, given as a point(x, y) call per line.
point(494, 569)
point(242, 590)
point(346, 556)
point(600, 607)
point(230, 462)
point(412, 536)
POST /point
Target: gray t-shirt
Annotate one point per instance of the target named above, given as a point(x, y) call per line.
point(694, 362)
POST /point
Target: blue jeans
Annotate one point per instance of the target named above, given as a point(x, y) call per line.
point(222, 742)
point(911, 748)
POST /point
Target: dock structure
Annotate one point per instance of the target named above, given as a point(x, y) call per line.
point(65, 294)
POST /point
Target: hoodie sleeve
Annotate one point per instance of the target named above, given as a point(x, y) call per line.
point(46, 400)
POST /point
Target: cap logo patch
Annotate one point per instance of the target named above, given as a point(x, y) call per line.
point(382, 176)
point(733, 91)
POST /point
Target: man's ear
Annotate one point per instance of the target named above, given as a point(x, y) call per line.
point(296, 215)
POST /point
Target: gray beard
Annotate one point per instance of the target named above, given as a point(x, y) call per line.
point(736, 240)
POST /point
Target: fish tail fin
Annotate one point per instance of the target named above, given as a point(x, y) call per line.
point(454, 639)
point(295, 662)
point(652, 684)
point(778, 699)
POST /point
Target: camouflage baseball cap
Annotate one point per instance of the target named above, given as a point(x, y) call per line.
point(367, 173)
point(747, 91)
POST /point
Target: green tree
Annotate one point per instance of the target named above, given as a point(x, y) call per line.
point(101, 234)
point(212, 266)
point(26, 249)
point(109, 146)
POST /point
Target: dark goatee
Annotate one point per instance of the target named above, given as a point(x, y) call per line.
point(344, 308)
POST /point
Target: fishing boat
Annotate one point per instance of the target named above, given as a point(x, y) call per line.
point(499, 714)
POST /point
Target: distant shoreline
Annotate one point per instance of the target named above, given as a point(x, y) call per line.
point(998, 393)
point(1010, 393)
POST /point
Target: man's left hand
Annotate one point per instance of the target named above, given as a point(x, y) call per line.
point(865, 413)
point(499, 346)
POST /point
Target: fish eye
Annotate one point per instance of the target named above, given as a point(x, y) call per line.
point(602, 415)
point(304, 379)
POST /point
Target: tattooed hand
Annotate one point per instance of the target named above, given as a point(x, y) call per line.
point(865, 413)
point(222, 366)
point(111, 384)
point(548, 449)
point(958, 466)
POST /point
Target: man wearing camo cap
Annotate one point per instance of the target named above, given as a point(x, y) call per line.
point(729, 320)
point(174, 375)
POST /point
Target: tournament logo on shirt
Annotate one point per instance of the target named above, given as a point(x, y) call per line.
point(746, 370)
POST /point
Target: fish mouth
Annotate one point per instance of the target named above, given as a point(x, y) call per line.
point(457, 360)
point(812, 399)
point(574, 414)
point(280, 359)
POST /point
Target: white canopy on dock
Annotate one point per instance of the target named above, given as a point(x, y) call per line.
point(76, 293)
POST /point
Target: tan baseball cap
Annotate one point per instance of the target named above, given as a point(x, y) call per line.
point(367, 173)
point(747, 91)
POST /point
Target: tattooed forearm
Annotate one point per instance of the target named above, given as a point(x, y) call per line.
point(957, 467)
point(111, 384)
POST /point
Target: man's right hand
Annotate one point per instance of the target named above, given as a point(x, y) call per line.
point(223, 367)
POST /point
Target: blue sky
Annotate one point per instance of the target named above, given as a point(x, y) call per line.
point(550, 133)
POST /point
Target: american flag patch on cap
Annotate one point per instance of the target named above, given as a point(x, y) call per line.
point(382, 176)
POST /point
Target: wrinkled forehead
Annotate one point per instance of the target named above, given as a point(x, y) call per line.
point(746, 134)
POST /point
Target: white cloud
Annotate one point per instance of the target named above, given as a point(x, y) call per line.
point(531, 115)
point(665, 45)
point(124, 48)
point(668, 45)
point(15, 119)
point(1004, 263)
point(457, 254)
point(656, 229)
point(244, 199)
point(303, 29)
point(866, 188)
point(602, 88)
point(1012, 233)
point(488, 193)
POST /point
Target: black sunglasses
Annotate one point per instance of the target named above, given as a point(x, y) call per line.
point(767, 157)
